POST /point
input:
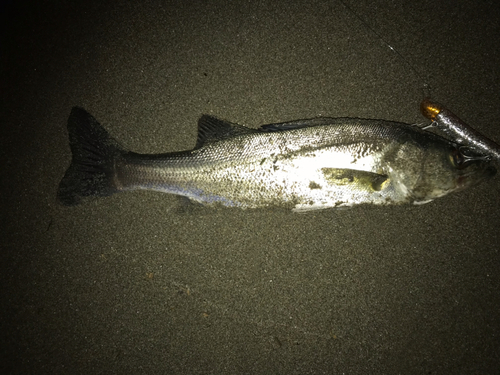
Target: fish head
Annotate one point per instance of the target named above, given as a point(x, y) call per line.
point(450, 169)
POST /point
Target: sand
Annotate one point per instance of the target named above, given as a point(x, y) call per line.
point(138, 283)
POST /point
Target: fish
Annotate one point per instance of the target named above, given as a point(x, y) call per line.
point(302, 165)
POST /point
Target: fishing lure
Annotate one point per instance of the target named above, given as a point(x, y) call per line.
point(458, 131)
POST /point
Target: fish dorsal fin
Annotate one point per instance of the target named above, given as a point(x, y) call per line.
point(212, 129)
point(296, 124)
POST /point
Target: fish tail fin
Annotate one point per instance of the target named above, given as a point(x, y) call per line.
point(91, 172)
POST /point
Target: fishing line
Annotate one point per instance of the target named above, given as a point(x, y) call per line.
point(426, 89)
point(445, 121)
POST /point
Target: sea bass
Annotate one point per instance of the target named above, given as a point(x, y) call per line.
point(303, 165)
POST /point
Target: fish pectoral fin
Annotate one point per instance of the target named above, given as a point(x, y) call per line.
point(357, 179)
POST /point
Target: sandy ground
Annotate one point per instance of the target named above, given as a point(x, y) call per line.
point(137, 284)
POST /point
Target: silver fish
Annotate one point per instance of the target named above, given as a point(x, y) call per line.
point(303, 165)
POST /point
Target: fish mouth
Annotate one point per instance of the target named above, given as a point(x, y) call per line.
point(492, 171)
point(476, 173)
point(472, 167)
point(489, 172)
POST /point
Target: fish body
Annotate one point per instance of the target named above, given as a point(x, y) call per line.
point(304, 165)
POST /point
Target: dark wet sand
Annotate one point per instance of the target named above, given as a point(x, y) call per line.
point(137, 284)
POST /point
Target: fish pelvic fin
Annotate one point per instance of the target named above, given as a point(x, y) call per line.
point(94, 151)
